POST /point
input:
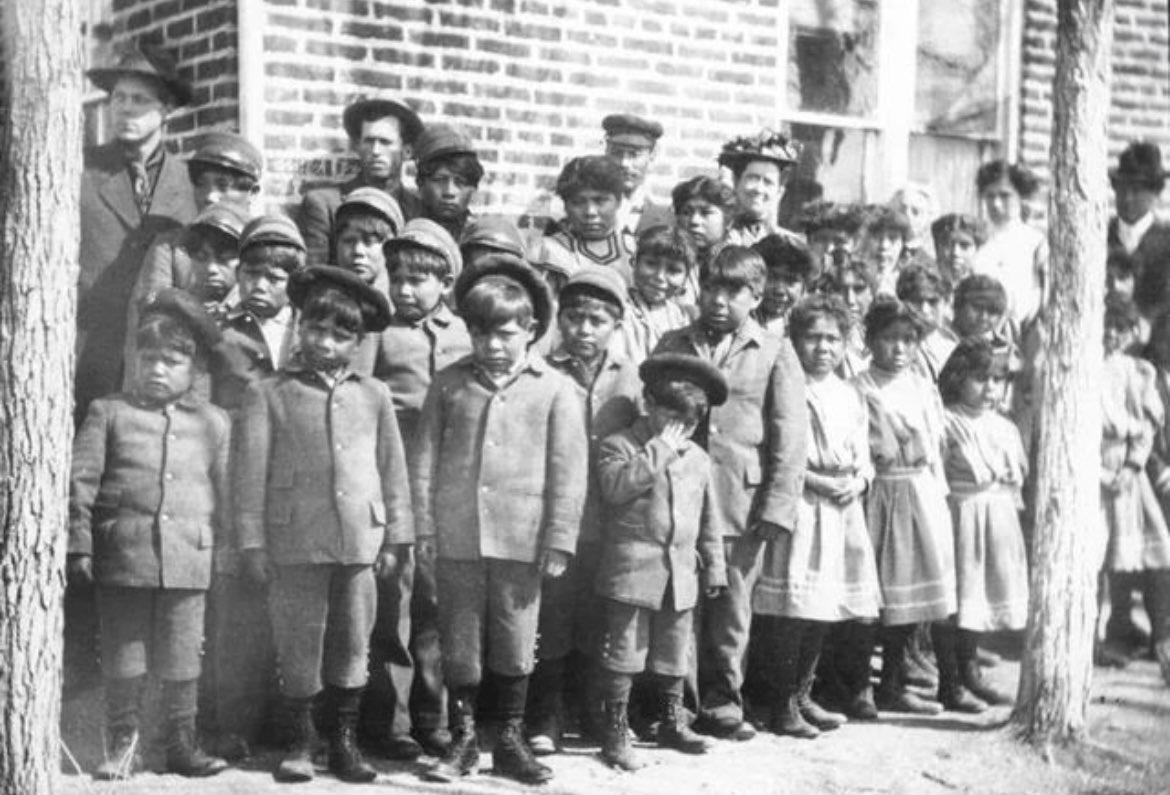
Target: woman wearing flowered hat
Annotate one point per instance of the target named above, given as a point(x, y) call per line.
point(759, 166)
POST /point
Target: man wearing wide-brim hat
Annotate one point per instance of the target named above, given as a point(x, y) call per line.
point(132, 189)
point(1137, 182)
point(382, 132)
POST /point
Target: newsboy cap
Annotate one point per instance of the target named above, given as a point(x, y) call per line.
point(230, 151)
point(628, 128)
point(373, 199)
point(228, 217)
point(684, 367)
point(440, 140)
point(375, 306)
point(519, 271)
point(426, 234)
point(188, 310)
point(492, 232)
point(599, 281)
point(147, 61)
point(275, 228)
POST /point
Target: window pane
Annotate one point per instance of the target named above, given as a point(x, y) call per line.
point(833, 58)
point(835, 158)
point(948, 165)
point(958, 67)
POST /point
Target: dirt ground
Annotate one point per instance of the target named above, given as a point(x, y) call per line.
point(1127, 751)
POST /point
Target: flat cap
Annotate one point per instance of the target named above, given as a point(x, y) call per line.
point(228, 217)
point(683, 367)
point(274, 228)
point(367, 108)
point(439, 139)
point(228, 150)
point(600, 281)
point(426, 234)
point(188, 310)
point(375, 200)
point(519, 271)
point(375, 306)
point(143, 60)
point(627, 125)
point(495, 233)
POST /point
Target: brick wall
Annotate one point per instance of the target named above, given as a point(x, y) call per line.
point(1141, 78)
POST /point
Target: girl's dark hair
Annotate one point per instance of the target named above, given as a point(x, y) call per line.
point(885, 312)
point(685, 397)
point(668, 242)
point(163, 332)
point(833, 280)
point(785, 256)
point(980, 284)
point(883, 219)
point(918, 283)
point(592, 172)
point(735, 267)
point(815, 307)
point(495, 300)
point(330, 303)
point(958, 223)
point(1021, 178)
point(709, 189)
point(462, 164)
point(973, 357)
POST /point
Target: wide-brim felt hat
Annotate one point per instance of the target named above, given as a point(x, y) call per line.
point(230, 151)
point(519, 271)
point(375, 306)
point(495, 233)
point(685, 367)
point(430, 236)
point(1141, 162)
point(377, 200)
point(143, 60)
point(188, 310)
point(377, 107)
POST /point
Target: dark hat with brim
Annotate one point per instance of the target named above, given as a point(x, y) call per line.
point(146, 61)
point(426, 234)
point(631, 129)
point(372, 200)
point(188, 310)
point(373, 108)
point(228, 217)
point(600, 282)
point(441, 140)
point(519, 271)
point(768, 145)
point(230, 151)
point(494, 233)
point(682, 367)
point(272, 229)
point(375, 306)
point(1140, 163)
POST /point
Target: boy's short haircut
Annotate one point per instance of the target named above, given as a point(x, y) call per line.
point(159, 331)
point(495, 300)
point(973, 357)
point(1121, 263)
point(885, 312)
point(330, 303)
point(713, 191)
point(918, 283)
point(981, 287)
point(784, 256)
point(735, 267)
point(240, 182)
point(417, 260)
point(677, 394)
point(1121, 313)
point(366, 223)
point(942, 229)
point(883, 219)
point(277, 255)
point(592, 172)
point(463, 165)
point(579, 296)
point(668, 242)
point(811, 309)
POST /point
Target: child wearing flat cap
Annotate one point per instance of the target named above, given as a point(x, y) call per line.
point(498, 490)
point(659, 499)
point(147, 489)
point(322, 509)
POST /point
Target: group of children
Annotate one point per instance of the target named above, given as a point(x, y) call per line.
point(442, 482)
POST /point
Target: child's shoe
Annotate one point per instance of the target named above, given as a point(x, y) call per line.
point(513, 758)
point(462, 756)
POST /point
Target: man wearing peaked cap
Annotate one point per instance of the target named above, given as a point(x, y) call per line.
point(1136, 231)
point(132, 190)
point(382, 132)
point(631, 141)
point(448, 174)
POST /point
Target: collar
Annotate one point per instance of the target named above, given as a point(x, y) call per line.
point(611, 361)
point(1136, 230)
point(283, 317)
point(750, 332)
point(188, 401)
point(297, 366)
point(440, 316)
point(151, 161)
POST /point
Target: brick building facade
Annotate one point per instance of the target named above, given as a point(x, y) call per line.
point(530, 79)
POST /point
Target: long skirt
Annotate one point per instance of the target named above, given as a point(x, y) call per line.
point(990, 562)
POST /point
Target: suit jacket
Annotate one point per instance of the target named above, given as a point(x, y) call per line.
point(659, 528)
point(758, 439)
point(115, 236)
point(1151, 266)
point(319, 211)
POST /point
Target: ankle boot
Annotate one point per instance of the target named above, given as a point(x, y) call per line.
point(462, 757)
point(184, 756)
point(123, 754)
point(810, 653)
point(545, 709)
point(674, 729)
point(858, 642)
point(616, 749)
point(345, 759)
point(784, 638)
point(951, 693)
point(297, 765)
point(920, 668)
point(512, 757)
point(971, 675)
point(892, 694)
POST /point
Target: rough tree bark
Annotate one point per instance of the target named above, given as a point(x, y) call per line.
point(1068, 543)
point(40, 171)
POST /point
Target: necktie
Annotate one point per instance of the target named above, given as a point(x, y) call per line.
point(140, 184)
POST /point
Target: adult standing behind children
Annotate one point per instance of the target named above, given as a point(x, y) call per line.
point(382, 132)
point(759, 165)
point(631, 142)
point(132, 189)
point(1137, 183)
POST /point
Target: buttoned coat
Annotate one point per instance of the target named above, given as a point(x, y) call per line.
point(501, 473)
point(319, 213)
point(659, 529)
point(148, 491)
point(319, 470)
point(115, 236)
point(758, 439)
point(1151, 261)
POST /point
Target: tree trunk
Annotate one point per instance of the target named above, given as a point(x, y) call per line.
point(40, 173)
point(1068, 542)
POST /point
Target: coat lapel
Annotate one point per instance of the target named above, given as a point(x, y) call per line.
point(173, 197)
point(117, 193)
